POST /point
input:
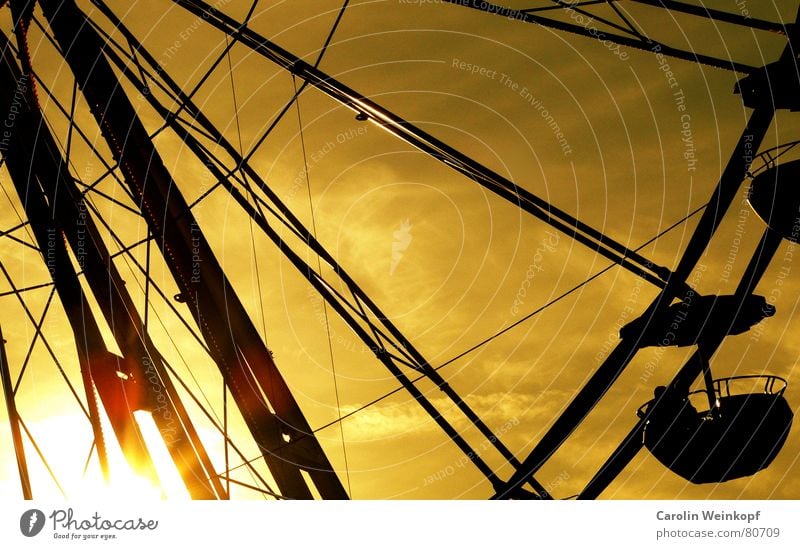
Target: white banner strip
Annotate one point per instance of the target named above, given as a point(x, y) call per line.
point(406, 524)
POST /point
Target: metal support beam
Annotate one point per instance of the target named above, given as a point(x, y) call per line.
point(237, 348)
point(605, 376)
point(140, 358)
point(632, 443)
point(594, 239)
point(19, 154)
point(13, 421)
point(647, 45)
point(759, 262)
point(717, 15)
point(51, 198)
point(372, 340)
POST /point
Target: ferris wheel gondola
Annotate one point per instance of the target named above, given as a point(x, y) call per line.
point(696, 445)
point(737, 437)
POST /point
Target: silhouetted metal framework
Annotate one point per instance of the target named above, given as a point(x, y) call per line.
point(584, 19)
point(234, 343)
point(362, 314)
point(54, 204)
point(57, 213)
point(14, 421)
point(618, 359)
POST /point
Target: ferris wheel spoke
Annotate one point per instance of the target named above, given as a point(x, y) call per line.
point(394, 338)
point(718, 15)
point(24, 243)
point(38, 332)
point(636, 42)
point(104, 70)
point(245, 361)
point(616, 463)
point(42, 457)
point(14, 421)
point(697, 364)
point(27, 288)
point(605, 376)
point(408, 132)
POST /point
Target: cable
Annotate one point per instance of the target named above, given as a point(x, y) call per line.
point(228, 480)
point(330, 37)
point(324, 303)
point(41, 456)
point(487, 340)
point(297, 91)
point(246, 184)
point(45, 342)
point(526, 317)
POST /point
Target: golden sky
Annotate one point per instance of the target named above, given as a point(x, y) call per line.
point(450, 263)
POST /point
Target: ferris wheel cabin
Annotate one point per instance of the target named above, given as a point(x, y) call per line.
point(741, 435)
point(775, 197)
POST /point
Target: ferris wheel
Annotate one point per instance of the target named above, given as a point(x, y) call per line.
point(232, 268)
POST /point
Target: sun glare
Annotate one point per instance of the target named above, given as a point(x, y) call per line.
point(65, 442)
point(172, 485)
point(123, 481)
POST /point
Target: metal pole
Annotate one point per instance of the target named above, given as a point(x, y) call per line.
point(420, 363)
point(764, 253)
point(632, 443)
point(19, 154)
point(605, 376)
point(13, 420)
point(235, 344)
point(592, 32)
point(437, 149)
